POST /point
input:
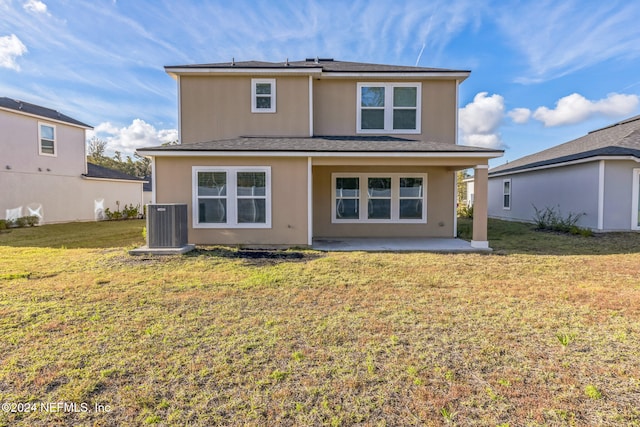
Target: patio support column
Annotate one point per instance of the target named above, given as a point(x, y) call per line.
point(481, 187)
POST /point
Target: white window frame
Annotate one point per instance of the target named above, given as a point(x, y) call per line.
point(363, 205)
point(504, 206)
point(231, 197)
point(635, 200)
point(388, 108)
point(254, 96)
point(40, 138)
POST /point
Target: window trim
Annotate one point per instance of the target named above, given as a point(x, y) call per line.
point(40, 138)
point(505, 206)
point(364, 198)
point(388, 108)
point(231, 197)
point(254, 95)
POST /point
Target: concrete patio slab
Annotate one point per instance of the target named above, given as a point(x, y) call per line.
point(145, 250)
point(396, 244)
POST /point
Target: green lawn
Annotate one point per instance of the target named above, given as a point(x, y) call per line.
point(545, 331)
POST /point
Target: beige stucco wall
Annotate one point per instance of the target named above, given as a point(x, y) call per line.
point(335, 108)
point(439, 199)
point(20, 147)
point(64, 198)
point(288, 199)
point(219, 107)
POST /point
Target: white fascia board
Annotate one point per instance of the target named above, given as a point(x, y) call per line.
point(394, 154)
point(46, 119)
point(459, 76)
point(557, 165)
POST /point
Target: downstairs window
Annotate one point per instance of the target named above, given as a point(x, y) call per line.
point(379, 198)
point(231, 197)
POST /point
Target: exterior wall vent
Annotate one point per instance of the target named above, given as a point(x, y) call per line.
point(166, 225)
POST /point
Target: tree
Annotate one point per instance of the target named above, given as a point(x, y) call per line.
point(96, 148)
point(461, 186)
point(138, 166)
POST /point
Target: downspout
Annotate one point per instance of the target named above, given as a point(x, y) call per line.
point(310, 106)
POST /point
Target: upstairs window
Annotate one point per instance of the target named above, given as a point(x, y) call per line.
point(46, 139)
point(263, 95)
point(388, 108)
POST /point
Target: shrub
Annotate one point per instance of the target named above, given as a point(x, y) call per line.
point(131, 212)
point(21, 222)
point(551, 219)
point(32, 220)
point(465, 211)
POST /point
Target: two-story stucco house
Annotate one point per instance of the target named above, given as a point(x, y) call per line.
point(282, 154)
point(44, 171)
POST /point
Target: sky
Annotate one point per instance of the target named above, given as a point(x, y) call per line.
point(542, 72)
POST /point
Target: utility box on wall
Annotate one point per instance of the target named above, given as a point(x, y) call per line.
point(166, 225)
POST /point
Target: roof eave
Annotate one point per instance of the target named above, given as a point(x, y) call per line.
point(149, 152)
point(459, 75)
point(48, 119)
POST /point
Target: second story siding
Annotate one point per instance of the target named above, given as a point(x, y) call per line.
point(219, 107)
point(20, 141)
point(316, 97)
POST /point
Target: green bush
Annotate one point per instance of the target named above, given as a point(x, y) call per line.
point(131, 212)
point(21, 222)
point(465, 211)
point(128, 212)
point(552, 220)
point(32, 220)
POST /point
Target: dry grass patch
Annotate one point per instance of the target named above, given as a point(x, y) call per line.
point(228, 337)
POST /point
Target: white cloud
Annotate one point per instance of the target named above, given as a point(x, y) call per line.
point(520, 115)
point(137, 135)
point(35, 6)
point(576, 108)
point(480, 119)
point(11, 48)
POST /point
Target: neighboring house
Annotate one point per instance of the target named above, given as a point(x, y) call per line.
point(44, 172)
point(469, 192)
point(284, 153)
point(147, 190)
point(597, 175)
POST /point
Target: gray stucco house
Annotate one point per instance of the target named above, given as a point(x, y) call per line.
point(597, 175)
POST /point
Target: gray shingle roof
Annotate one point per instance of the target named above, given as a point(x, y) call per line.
point(619, 139)
point(37, 110)
point(326, 65)
point(97, 171)
point(342, 144)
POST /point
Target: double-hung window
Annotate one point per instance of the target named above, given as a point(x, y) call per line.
point(379, 198)
point(388, 107)
point(263, 95)
point(46, 139)
point(506, 194)
point(232, 197)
